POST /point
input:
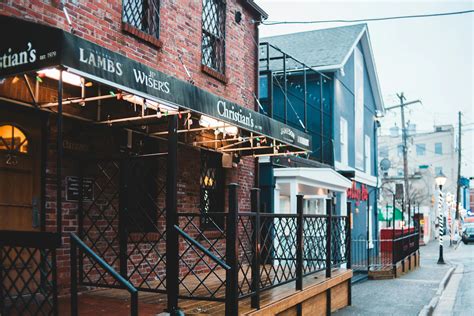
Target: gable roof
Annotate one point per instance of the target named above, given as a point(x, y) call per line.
point(329, 49)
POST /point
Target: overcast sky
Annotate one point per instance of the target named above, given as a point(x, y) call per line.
point(431, 59)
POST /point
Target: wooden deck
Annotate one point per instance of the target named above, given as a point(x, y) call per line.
point(273, 301)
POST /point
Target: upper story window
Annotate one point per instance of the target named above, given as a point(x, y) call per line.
point(344, 139)
point(438, 170)
point(142, 15)
point(400, 150)
point(420, 149)
point(213, 35)
point(12, 139)
point(439, 148)
point(368, 154)
point(383, 151)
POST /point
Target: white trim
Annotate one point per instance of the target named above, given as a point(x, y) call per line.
point(360, 176)
point(317, 177)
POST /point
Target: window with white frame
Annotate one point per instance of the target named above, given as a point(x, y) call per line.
point(344, 139)
point(359, 108)
point(420, 149)
point(368, 153)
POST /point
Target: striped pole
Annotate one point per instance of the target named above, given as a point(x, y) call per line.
point(441, 225)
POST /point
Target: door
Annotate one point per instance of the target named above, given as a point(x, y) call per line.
point(20, 161)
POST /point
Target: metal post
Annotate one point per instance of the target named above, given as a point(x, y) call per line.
point(305, 100)
point(172, 242)
point(299, 242)
point(255, 286)
point(368, 235)
point(232, 275)
point(394, 262)
point(80, 218)
point(328, 236)
point(74, 306)
point(123, 218)
point(386, 215)
point(54, 276)
point(134, 303)
point(285, 99)
point(349, 251)
point(441, 225)
point(59, 154)
point(328, 253)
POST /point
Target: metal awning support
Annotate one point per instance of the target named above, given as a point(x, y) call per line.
point(59, 155)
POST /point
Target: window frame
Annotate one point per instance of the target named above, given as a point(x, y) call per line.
point(420, 149)
point(344, 138)
point(27, 139)
point(368, 154)
point(218, 72)
point(150, 37)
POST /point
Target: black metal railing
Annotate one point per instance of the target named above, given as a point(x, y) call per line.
point(78, 244)
point(28, 273)
point(240, 254)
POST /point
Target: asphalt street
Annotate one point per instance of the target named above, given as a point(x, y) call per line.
point(408, 294)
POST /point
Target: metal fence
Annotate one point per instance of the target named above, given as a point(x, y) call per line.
point(28, 273)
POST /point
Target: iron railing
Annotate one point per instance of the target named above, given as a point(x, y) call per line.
point(254, 251)
point(121, 282)
point(28, 273)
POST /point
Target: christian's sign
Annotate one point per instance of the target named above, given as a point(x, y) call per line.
point(33, 46)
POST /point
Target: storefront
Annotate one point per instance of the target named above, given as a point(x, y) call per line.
point(118, 152)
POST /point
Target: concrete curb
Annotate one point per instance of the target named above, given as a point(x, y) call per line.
point(428, 309)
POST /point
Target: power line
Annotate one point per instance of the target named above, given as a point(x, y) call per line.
point(399, 17)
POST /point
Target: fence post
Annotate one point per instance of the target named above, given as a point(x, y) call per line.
point(232, 275)
point(394, 262)
point(299, 242)
point(172, 241)
point(349, 251)
point(74, 310)
point(255, 202)
point(329, 204)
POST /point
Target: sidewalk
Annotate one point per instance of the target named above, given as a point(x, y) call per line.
point(406, 295)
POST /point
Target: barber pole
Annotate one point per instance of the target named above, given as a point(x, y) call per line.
point(441, 226)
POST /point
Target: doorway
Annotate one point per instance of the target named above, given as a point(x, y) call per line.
point(20, 169)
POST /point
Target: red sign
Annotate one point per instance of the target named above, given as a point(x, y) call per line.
point(361, 194)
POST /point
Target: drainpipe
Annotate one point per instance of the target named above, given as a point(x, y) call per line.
point(257, 95)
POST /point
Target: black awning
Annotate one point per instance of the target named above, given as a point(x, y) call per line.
point(28, 46)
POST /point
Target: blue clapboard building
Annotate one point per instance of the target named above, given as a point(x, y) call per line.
point(325, 83)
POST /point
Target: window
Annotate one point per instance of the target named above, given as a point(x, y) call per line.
point(359, 108)
point(368, 154)
point(12, 139)
point(213, 35)
point(211, 188)
point(439, 148)
point(438, 170)
point(400, 172)
point(343, 139)
point(383, 151)
point(420, 149)
point(400, 150)
point(142, 15)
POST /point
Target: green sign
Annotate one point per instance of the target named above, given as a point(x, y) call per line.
point(386, 214)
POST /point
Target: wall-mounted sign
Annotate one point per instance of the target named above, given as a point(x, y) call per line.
point(72, 189)
point(355, 193)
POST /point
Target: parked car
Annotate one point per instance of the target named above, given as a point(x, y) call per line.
point(468, 235)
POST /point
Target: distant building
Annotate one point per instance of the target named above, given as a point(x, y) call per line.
point(429, 154)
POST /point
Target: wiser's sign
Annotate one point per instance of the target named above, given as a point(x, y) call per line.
point(33, 47)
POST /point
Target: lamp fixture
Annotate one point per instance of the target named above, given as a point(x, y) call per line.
point(440, 179)
point(69, 78)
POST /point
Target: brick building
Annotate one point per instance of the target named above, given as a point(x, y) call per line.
point(130, 122)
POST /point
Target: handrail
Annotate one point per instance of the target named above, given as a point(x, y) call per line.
point(202, 248)
point(77, 242)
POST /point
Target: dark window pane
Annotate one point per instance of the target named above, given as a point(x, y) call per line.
point(142, 14)
point(213, 34)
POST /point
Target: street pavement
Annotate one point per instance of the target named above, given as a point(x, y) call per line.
point(408, 294)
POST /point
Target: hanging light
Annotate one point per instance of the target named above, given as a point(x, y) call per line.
point(69, 78)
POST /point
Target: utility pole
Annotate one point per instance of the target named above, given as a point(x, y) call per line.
point(402, 106)
point(458, 191)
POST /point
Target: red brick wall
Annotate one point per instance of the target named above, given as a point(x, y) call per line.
point(180, 34)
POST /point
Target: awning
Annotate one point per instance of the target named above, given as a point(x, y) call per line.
point(312, 179)
point(28, 47)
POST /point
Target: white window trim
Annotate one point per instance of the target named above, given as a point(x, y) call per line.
point(344, 138)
